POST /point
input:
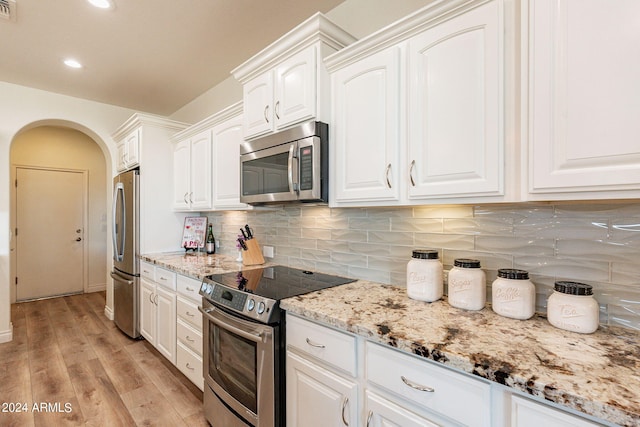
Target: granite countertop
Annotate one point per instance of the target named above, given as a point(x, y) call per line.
point(597, 374)
point(197, 266)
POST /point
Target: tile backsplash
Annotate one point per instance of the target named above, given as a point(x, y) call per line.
point(598, 244)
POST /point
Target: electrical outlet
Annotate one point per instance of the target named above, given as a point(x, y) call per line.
point(267, 251)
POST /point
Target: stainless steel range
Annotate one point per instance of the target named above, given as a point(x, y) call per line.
point(244, 346)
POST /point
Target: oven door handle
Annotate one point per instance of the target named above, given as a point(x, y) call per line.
point(231, 328)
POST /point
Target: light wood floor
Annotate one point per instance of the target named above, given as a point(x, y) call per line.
point(67, 356)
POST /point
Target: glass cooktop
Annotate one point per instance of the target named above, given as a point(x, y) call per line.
point(278, 282)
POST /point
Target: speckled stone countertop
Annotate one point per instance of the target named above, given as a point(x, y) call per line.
point(598, 374)
point(196, 266)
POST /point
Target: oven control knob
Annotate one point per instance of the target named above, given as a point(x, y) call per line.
point(251, 304)
point(260, 307)
point(209, 289)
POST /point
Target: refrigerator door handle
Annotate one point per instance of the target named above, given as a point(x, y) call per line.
point(118, 247)
point(119, 278)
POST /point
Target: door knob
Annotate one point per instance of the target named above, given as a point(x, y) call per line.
point(78, 239)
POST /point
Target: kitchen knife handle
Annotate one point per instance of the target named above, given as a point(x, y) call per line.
point(249, 232)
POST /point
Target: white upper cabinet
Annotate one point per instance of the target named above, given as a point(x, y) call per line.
point(286, 83)
point(419, 109)
point(365, 156)
point(456, 129)
point(192, 172)
point(583, 65)
point(206, 163)
point(129, 151)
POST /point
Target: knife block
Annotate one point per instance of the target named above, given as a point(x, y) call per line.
point(253, 254)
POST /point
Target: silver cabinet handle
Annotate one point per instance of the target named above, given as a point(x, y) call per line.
point(312, 344)
point(369, 418)
point(189, 314)
point(417, 386)
point(191, 197)
point(189, 366)
point(155, 299)
point(413, 165)
point(386, 174)
point(78, 239)
point(151, 298)
point(189, 339)
point(345, 401)
point(277, 107)
point(185, 198)
point(266, 109)
point(190, 289)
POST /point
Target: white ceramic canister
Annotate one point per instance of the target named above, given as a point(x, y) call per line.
point(513, 295)
point(424, 276)
point(467, 285)
point(573, 307)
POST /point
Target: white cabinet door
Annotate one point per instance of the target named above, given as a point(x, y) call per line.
point(295, 88)
point(132, 148)
point(258, 109)
point(226, 164)
point(200, 194)
point(165, 302)
point(317, 397)
point(383, 413)
point(366, 133)
point(584, 63)
point(147, 310)
point(122, 156)
point(181, 174)
point(455, 90)
point(526, 413)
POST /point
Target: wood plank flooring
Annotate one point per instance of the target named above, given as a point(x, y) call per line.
point(68, 365)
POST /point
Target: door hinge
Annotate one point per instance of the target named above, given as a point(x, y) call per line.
point(16, 280)
point(16, 231)
point(16, 182)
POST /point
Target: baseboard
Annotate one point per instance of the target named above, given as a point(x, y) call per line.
point(96, 288)
point(6, 336)
point(108, 312)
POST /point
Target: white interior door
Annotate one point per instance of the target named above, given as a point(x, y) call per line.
point(50, 216)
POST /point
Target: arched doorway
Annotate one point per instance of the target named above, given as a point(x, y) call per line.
point(59, 152)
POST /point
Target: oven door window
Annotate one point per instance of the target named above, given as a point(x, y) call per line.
point(233, 365)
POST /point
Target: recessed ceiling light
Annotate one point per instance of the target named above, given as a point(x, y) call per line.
point(72, 63)
point(102, 4)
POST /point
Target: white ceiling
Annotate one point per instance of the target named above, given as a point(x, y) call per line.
point(148, 55)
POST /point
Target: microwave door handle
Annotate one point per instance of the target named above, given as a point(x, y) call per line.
point(293, 187)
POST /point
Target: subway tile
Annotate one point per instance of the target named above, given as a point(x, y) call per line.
point(302, 221)
point(382, 224)
point(302, 243)
point(282, 232)
point(626, 273)
point(349, 235)
point(390, 237)
point(515, 245)
point(445, 241)
point(349, 258)
point(288, 251)
point(316, 233)
point(332, 223)
point(315, 255)
point(478, 226)
point(370, 274)
point(443, 211)
point(559, 228)
point(488, 260)
point(589, 210)
point(565, 267)
point(316, 211)
point(333, 268)
point(423, 225)
point(390, 264)
point(333, 245)
point(399, 212)
point(596, 250)
point(378, 249)
point(516, 212)
point(349, 213)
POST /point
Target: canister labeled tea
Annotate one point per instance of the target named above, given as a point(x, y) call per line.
point(513, 295)
point(424, 276)
point(467, 285)
point(572, 307)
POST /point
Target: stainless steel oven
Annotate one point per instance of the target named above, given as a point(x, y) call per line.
point(244, 342)
point(241, 370)
point(288, 166)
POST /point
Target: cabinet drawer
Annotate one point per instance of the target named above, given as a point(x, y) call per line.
point(189, 287)
point(386, 368)
point(148, 270)
point(189, 336)
point(188, 311)
point(166, 278)
point(190, 364)
point(335, 348)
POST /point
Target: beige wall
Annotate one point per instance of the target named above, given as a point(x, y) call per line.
point(358, 17)
point(64, 148)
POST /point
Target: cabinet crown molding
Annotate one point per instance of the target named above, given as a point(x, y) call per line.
point(399, 31)
point(145, 119)
point(317, 28)
point(209, 122)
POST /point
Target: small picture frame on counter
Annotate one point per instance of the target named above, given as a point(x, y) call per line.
point(193, 233)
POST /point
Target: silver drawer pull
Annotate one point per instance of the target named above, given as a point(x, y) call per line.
point(369, 416)
point(345, 402)
point(189, 289)
point(417, 386)
point(189, 314)
point(312, 344)
point(189, 367)
point(189, 339)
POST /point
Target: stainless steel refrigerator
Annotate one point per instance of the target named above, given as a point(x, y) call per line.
point(125, 233)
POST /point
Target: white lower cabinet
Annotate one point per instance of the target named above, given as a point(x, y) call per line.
point(189, 330)
point(527, 413)
point(317, 397)
point(158, 309)
point(382, 412)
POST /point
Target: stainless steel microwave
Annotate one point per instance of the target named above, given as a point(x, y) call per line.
point(288, 166)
